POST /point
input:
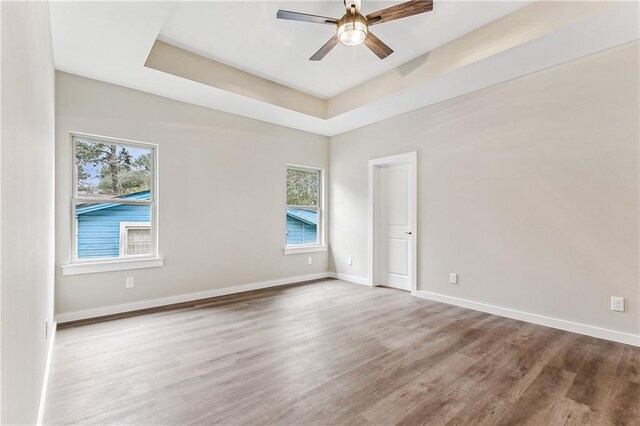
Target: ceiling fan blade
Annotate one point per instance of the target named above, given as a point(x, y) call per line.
point(402, 10)
point(333, 41)
point(305, 17)
point(377, 46)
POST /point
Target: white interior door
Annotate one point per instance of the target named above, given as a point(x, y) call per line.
point(395, 227)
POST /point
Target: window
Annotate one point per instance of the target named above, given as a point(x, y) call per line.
point(114, 199)
point(304, 208)
point(135, 238)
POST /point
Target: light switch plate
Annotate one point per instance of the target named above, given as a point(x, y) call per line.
point(453, 278)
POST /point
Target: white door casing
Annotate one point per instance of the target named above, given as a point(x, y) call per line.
point(392, 221)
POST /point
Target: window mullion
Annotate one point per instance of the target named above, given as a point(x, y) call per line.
point(293, 206)
point(84, 200)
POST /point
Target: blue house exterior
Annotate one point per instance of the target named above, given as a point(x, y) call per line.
point(98, 225)
point(302, 226)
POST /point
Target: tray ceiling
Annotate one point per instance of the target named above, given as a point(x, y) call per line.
point(248, 36)
point(236, 57)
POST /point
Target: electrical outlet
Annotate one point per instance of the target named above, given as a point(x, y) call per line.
point(130, 283)
point(453, 278)
point(349, 261)
point(617, 304)
point(309, 260)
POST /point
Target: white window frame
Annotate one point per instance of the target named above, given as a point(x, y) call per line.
point(124, 227)
point(83, 266)
point(320, 244)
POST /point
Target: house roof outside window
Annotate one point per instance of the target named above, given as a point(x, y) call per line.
point(87, 208)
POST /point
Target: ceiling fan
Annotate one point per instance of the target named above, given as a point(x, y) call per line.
point(353, 28)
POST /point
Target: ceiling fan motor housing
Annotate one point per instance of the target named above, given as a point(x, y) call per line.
point(352, 29)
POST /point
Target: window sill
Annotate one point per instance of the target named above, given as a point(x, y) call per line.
point(111, 265)
point(304, 249)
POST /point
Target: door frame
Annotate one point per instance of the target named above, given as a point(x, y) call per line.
point(410, 158)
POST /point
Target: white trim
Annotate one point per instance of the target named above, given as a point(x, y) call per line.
point(111, 139)
point(304, 249)
point(113, 265)
point(589, 330)
point(100, 200)
point(321, 238)
point(47, 369)
point(410, 158)
point(145, 304)
point(350, 278)
point(75, 199)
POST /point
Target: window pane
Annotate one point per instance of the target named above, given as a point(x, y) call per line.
point(110, 169)
point(98, 228)
point(302, 226)
point(138, 241)
point(302, 187)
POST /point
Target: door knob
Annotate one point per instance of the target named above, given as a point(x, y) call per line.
point(408, 232)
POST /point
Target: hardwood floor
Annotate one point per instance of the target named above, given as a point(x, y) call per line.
point(337, 353)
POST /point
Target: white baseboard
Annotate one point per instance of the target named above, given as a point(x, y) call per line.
point(45, 380)
point(145, 304)
point(589, 330)
point(350, 278)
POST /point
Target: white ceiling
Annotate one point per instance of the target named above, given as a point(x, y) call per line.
point(247, 35)
point(110, 42)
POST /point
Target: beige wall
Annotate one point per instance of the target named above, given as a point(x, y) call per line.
point(528, 190)
point(221, 194)
point(27, 198)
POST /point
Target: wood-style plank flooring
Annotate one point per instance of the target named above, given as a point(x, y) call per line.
point(337, 353)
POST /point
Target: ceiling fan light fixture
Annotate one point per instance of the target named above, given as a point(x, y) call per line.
point(353, 28)
point(352, 32)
